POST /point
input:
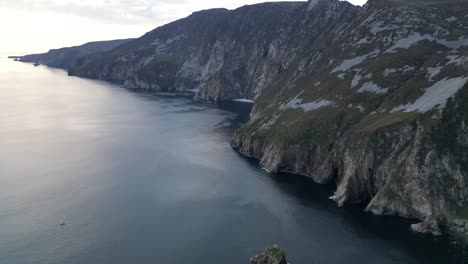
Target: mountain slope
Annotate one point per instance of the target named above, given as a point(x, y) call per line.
point(371, 113)
point(66, 58)
point(217, 54)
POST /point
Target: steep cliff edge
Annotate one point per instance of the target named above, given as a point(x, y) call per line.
point(219, 54)
point(373, 98)
point(371, 113)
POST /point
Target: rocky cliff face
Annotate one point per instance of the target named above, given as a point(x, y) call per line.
point(373, 99)
point(370, 112)
point(220, 54)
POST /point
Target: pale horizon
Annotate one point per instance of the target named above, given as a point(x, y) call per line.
point(50, 24)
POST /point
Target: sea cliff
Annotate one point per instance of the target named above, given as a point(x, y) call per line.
point(372, 99)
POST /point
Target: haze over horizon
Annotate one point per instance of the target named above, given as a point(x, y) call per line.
point(47, 24)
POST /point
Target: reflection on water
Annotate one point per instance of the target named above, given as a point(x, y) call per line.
point(144, 179)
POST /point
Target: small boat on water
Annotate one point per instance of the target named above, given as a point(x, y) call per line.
point(36, 64)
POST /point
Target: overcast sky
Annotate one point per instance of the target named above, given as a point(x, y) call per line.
point(29, 26)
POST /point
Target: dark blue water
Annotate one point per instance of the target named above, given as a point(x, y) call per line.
point(141, 179)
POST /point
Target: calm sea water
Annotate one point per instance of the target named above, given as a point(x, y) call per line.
point(141, 179)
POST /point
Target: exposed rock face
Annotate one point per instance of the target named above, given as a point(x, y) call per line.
point(67, 58)
point(373, 99)
point(429, 226)
point(460, 226)
point(220, 54)
point(391, 85)
point(273, 255)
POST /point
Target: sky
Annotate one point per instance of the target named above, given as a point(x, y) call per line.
point(31, 26)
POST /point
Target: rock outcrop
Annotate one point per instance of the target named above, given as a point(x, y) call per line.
point(460, 226)
point(273, 255)
point(428, 226)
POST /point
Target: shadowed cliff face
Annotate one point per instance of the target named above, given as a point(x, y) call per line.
point(372, 98)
